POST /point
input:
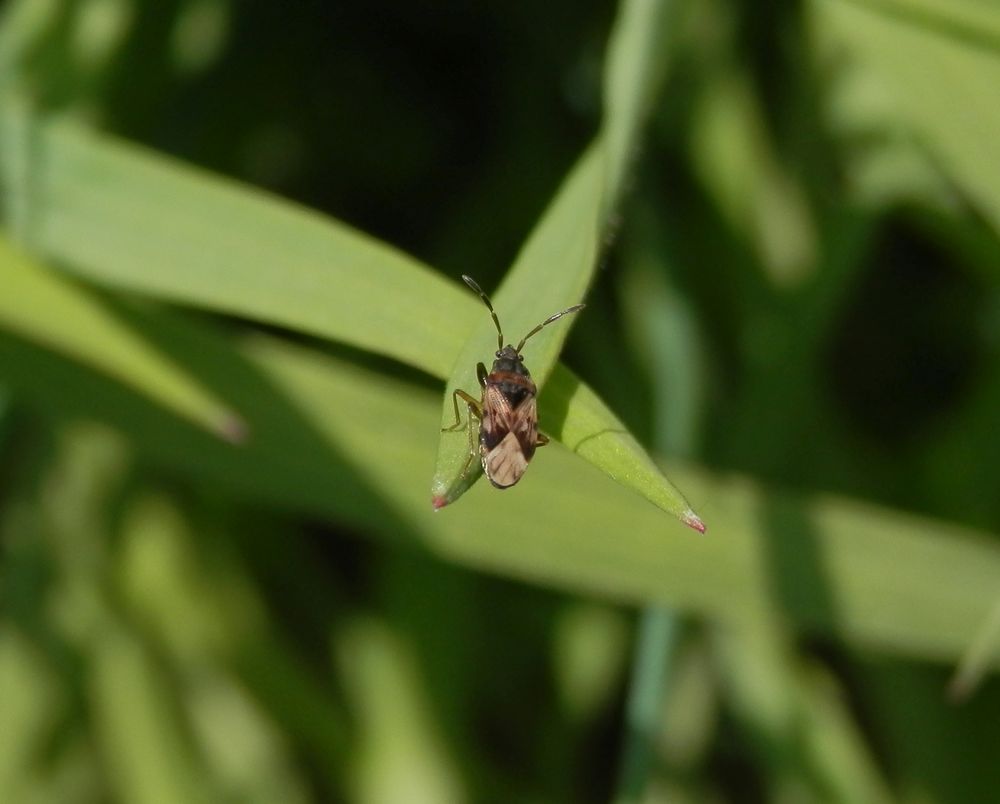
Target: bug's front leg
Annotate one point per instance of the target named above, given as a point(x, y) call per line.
point(475, 409)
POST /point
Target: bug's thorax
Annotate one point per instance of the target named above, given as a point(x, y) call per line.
point(511, 376)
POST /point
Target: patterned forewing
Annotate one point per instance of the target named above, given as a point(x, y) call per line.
point(508, 437)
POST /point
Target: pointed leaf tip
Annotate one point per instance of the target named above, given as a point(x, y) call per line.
point(692, 520)
point(233, 429)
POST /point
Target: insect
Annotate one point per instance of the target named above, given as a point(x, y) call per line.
point(507, 413)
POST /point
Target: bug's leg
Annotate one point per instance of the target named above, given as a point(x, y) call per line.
point(473, 451)
point(475, 409)
point(542, 440)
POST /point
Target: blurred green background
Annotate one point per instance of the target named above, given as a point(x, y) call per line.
point(220, 576)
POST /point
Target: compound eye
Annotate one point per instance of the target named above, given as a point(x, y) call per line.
point(498, 355)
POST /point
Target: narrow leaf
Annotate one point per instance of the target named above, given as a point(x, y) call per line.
point(50, 310)
point(123, 216)
point(594, 433)
point(551, 273)
point(938, 61)
point(633, 74)
point(556, 266)
point(335, 440)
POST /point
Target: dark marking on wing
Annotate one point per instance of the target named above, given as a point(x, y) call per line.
point(515, 392)
point(505, 464)
point(498, 411)
point(508, 433)
point(524, 426)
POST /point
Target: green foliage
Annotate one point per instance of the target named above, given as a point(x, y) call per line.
point(220, 574)
point(41, 306)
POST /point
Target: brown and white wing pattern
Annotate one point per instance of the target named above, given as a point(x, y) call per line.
point(505, 463)
point(508, 437)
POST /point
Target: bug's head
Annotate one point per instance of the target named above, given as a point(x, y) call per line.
point(509, 359)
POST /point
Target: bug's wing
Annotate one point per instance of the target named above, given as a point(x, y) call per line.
point(495, 423)
point(509, 440)
point(524, 425)
point(505, 463)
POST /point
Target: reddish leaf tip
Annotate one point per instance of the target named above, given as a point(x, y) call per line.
point(233, 429)
point(439, 501)
point(692, 520)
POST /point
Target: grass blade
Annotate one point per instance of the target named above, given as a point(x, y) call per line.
point(556, 266)
point(633, 74)
point(334, 440)
point(951, 108)
point(44, 307)
point(123, 216)
point(551, 273)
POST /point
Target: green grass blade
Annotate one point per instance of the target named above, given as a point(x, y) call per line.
point(150, 759)
point(978, 658)
point(556, 266)
point(338, 441)
point(952, 109)
point(551, 273)
point(804, 733)
point(578, 419)
point(968, 21)
point(125, 217)
point(633, 73)
point(44, 307)
point(569, 411)
point(656, 642)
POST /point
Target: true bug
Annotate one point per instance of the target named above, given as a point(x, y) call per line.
point(508, 416)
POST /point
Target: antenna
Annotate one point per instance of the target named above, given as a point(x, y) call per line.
point(548, 321)
point(486, 300)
